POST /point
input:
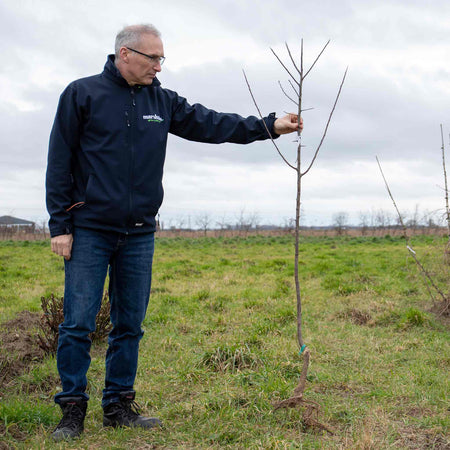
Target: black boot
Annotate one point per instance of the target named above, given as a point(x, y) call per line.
point(125, 413)
point(72, 422)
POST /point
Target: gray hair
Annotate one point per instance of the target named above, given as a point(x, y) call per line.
point(131, 35)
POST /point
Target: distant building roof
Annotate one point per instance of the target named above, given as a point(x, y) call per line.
point(9, 220)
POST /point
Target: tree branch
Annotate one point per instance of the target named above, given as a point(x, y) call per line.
point(284, 92)
point(265, 125)
point(297, 93)
point(328, 123)
point(284, 66)
point(319, 55)
point(447, 209)
point(292, 59)
point(393, 201)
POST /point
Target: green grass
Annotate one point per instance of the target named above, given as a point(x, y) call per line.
point(220, 346)
point(27, 271)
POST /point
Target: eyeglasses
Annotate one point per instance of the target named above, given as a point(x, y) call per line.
point(153, 58)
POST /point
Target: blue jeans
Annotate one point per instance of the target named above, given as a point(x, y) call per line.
point(129, 259)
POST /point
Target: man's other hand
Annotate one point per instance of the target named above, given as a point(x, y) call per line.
point(287, 124)
point(62, 245)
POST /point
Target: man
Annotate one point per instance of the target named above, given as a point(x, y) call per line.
point(104, 188)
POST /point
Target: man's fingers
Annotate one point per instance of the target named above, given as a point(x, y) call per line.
point(288, 124)
point(294, 119)
point(62, 245)
point(66, 252)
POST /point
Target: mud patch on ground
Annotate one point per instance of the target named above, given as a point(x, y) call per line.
point(12, 431)
point(19, 345)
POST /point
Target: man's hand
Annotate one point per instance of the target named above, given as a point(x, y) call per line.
point(62, 245)
point(287, 124)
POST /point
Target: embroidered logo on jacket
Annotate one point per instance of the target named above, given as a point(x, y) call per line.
point(153, 118)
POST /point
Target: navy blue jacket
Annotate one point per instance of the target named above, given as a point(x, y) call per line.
point(108, 145)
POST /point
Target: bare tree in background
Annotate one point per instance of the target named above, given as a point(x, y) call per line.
point(297, 75)
point(203, 221)
point(245, 222)
point(289, 224)
point(340, 222)
point(414, 222)
point(181, 223)
point(223, 225)
point(364, 222)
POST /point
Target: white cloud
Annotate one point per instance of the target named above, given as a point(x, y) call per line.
point(394, 99)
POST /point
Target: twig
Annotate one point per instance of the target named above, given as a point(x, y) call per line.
point(328, 123)
point(306, 109)
point(265, 125)
point(285, 68)
point(447, 209)
point(427, 275)
point(292, 59)
point(284, 92)
point(400, 218)
point(313, 64)
point(294, 89)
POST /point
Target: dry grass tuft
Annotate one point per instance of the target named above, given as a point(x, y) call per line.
point(230, 359)
point(356, 316)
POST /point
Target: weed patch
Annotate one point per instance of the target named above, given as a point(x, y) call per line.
point(412, 317)
point(355, 316)
point(230, 359)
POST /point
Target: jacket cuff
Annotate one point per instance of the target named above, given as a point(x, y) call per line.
point(57, 230)
point(270, 120)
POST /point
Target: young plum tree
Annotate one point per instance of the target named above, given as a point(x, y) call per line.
point(297, 75)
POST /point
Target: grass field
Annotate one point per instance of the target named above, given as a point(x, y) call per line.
point(220, 347)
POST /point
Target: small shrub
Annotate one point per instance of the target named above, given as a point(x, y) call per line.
point(53, 316)
point(413, 318)
point(50, 321)
point(201, 295)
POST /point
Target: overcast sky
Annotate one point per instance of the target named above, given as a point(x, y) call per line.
point(396, 95)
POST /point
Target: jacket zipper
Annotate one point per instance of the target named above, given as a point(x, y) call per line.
point(131, 124)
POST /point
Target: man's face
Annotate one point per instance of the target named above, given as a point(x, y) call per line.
point(139, 68)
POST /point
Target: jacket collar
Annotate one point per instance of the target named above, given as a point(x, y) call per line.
point(112, 72)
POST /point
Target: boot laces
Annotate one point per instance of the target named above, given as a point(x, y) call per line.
point(72, 416)
point(131, 408)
